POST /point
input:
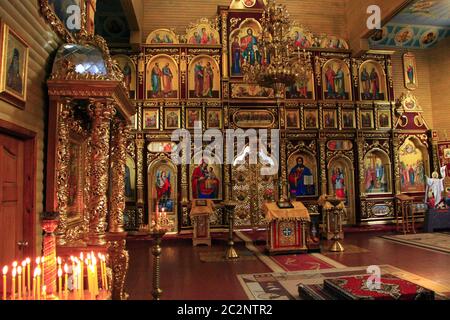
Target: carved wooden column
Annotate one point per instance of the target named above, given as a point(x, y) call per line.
point(323, 166)
point(395, 147)
point(118, 259)
point(101, 114)
point(118, 159)
point(140, 142)
point(62, 169)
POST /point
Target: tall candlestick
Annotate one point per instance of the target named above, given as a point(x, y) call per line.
point(42, 269)
point(28, 261)
point(38, 283)
point(5, 288)
point(13, 284)
point(34, 286)
point(81, 273)
point(66, 280)
point(24, 291)
point(60, 282)
point(19, 278)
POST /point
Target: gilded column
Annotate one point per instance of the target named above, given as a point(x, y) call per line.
point(140, 142)
point(118, 260)
point(101, 115)
point(224, 18)
point(396, 146)
point(323, 166)
point(118, 158)
point(62, 168)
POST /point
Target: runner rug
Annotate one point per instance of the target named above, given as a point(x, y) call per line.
point(292, 262)
point(433, 241)
point(284, 285)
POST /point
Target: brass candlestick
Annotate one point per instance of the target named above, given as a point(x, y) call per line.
point(157, 235)
point(230, 253)
point(337, 246)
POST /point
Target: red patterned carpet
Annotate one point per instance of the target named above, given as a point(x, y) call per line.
point(255, 242)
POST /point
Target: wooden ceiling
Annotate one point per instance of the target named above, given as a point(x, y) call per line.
point(324, 16)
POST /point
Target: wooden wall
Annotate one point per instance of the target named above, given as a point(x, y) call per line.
point(24, 18)
point(439, 62)
point(423, 92)
point(324, 16)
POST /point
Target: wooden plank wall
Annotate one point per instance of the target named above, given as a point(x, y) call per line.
point(24, 18)
point(439, 58)
point(324, 16)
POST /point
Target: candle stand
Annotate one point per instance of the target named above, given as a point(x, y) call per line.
point(230, 253)
point(157, 235)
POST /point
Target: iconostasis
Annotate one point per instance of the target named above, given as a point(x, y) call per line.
point(346, 133)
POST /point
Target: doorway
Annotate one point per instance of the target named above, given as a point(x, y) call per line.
point(17, 192)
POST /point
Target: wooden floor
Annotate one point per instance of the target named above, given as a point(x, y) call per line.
point(185, 277)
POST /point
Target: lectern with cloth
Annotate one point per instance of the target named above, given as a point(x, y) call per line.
point(287, 228)
point(200, 212)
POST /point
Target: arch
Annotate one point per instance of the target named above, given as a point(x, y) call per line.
point(202, 33)
point(129, 73)
point(302, 178)
point(241, 48)
point(414, 164)
point(210, 187)
point(204, 78)
point(377, 172)
point(157, 84)
point(336, 80)
point(162, 178)
point(130, 179)
point(162, 36)
point(341, 183)
point(372, 81)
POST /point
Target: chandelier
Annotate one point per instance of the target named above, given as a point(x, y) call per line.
point(282, 63)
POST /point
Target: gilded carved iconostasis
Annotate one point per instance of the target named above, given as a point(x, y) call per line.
point(347, 134)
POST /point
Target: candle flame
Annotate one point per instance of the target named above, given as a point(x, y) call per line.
point(19, 270)
point(60, 272)
point(38, 271)
point(38, 260)
point(66, 268)
point(42, 259)
point(5, 270)
point(81, 256)
point(14, 272)
point(24, 263)
point(14, 264)
point(28, 260)
point(94, 261)
point(59, 260)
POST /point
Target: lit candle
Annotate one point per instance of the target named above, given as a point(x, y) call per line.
point(106, 272)
point(19, 286)
point(42, 268)
point(38, 283)
point(28, 261)
point(94, 263)
point(5, 289)
point(66, 279)
point(34, 284)
point(59, 262)
point(24, 291)
point(13, 284)
point(60, 282)
point(89, 278)
point(102, 273)
point(81, 273)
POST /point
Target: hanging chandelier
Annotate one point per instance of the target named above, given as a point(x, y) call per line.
point(282, 63)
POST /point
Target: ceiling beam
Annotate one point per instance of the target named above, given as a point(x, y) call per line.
point(358, 32)
point(134, 13)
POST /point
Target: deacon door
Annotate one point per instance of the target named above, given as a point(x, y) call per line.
point(11, 199)
point(250, 190)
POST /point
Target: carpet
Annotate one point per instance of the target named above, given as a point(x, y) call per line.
point(284, 285)
point(292, 262)
point(433, 241)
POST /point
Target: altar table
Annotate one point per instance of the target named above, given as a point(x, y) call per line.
point(200, 212)
point(287, 228)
